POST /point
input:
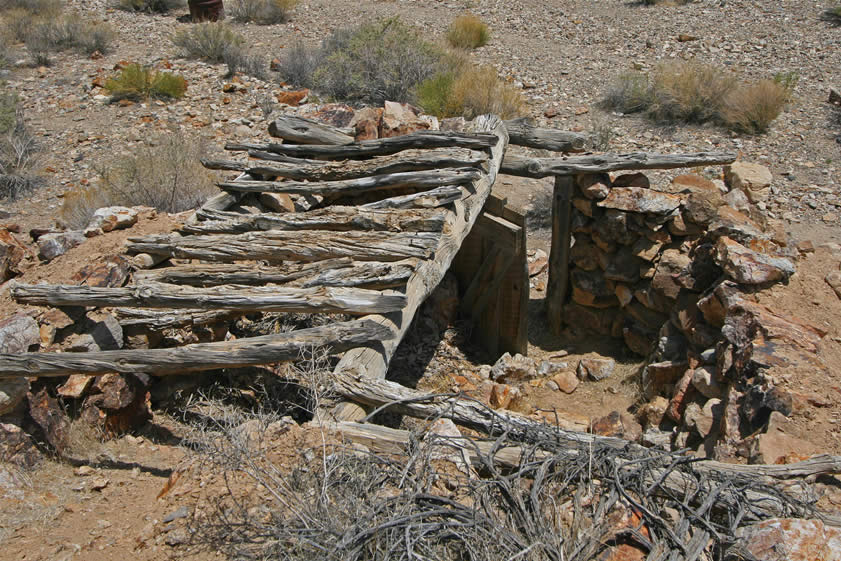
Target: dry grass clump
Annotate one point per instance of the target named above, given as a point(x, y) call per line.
point(689, 92)
point(166, 175)
point(148, 6)
point(207, 41)
point(45, 35)
point(18, 150)
point(468, 32)
point(264, 12)
point(832, 15)
point(137, 82)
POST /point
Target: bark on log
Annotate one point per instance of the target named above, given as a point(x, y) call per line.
point(157, 320)
point(425, 199)
point(337, 218)
point(202, 356)
point(572, 165)
point(276, 245)
point(319, 170)
point(319, 300)
point(299, 130)
point(331, 272)
point(429, 179)
point(372, 362)
point(379, 147)
point(522, 132)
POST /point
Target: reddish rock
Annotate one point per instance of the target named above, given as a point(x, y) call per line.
point(746, 266)
point(50, 418)
point(637, 179)
point(680, 398)
point(790, 539)
point(502, 395)
point(293, 98)
point(51, 246)
point(657, 377)
point(652, 413)
point(366, 122)
point(594, 186)
point(595, 368)
point(730, 222)
point(753, 179)
point(593, 290)
point(593, 319)
point(585, 254)
point(566, 380)
point(672, 263)
point(833, 279)
point(16, 447)
point(277, 202)
point(112, 272)
point(122, 404)
point(12, 253)
point(76, 386)
point(112, 218)
point(336, 115)
point(639, 200)
point(399, 119)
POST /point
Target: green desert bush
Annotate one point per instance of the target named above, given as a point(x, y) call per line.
point(137, 82)
point(149, 6)
point(18, 150)
point(468, 32)
point(265, 12)
point(470, 91)
point(207, 41)
point(689, 92)
point(239, 61)
point(166, 174)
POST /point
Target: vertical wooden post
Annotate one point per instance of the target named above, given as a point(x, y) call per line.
point(556, 291)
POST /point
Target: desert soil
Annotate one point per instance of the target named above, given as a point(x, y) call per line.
point(563, 54)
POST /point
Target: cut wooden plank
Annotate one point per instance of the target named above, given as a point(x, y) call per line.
point(372, 362)
point(429, 179)
point(202, 356)
point(379, 147)
point(572, 165)
point(276, 245)
point(513, 295)
point(522, 132)
point(338, 218)
point(299, 130)
point(331, 272)
point(319, 300)
point(556, 287)
point(425, 199)
point(320, 170)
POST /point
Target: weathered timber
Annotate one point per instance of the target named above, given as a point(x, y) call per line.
point(425, 199)
point(158, 320)
point(522, 132)
point(556, 288)
point(324, 300)
point(428, 179)
point(266, 349)
point(379, 147)
point(278, 245)
point(338, 218)
point(330, 272)
point(572, 165)
point(319, 170)
point(299, 130)
point(372, 362)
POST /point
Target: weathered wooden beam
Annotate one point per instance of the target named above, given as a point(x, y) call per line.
point(267, 349)
point(338, 218)
point(320, 170)
point(379, 147)
point(425, 199)
point(322, 300)
point(558, 282)
point(522, 132)
point(278, 245)
point(429, 179)
point(158, 320)
point(331, 272)
point(572, 165)
point(299, 130)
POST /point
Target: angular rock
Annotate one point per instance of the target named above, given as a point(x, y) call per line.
point(623, 267)
point(399, 119)
point(736, 225)
point(704, 380)
point(591, 289)
point(76, 386)
point(594, 186)
point(652, 413)
point(502, 396)
point(121, 405)
point(593, 319)
point(19, 334)
point(646, 249)
point(50, 418)
point(366, 123)
point(637, 179)
point(754, 179)
point(623, 294)
point(111, 272)
point(618, 425)
point(338, 115)
point(672, 263)
point(16, 447)
point(746, 266)
point(680, 227)
point(777, 446)
point(638, 338)
point(637, 199)
point(791, 539)
point(585, 207)
point(277, 202)
point(681, 397)
point(833, 279)
point(566, 381)
point(513, 369)
point(647, 317)
point(51, 246)
point(106, 331)
point(659, 377)
point(595, 368)
point(12, 253)
point(293, 98)
point(444, 441)
point(738, 201)
point(12, 393)
point(112, 218)
point(617, 226)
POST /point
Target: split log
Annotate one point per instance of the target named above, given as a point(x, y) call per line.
point(425, 199)
point(266, 349)
point(157, 320)
point(573, 165)
point(331, 272)
point(277, 245)
point(299, 130)
point(320, 170)
point(415, 179)
point(379, 147)
point(320, 300)
point(557, 287)
point(337, 218)
point(522, 132)
point(372, 362)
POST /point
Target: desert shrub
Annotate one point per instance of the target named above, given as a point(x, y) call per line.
point(629, 93)
point(751, 109)
point(46, 36)
point(299, 63)
point(688, 92)
point(471, 91)
point(149, 6)
point(18, 150)
point(207, 41)
point(139, 82)
point(239, 61)
point(167, 176)
point(42, 7)
point(264, 12)
point(832, 15)
point(468, 32)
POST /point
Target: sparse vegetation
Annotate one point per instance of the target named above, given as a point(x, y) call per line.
point(165, 174)
point(468, 32)
point(265, 12)
point(207, 41)
point(137, 82)
point(149, 6)
point(239, 61)
point(45, 36)
point(689, 92)
point(832, 15)
point(18, 150)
